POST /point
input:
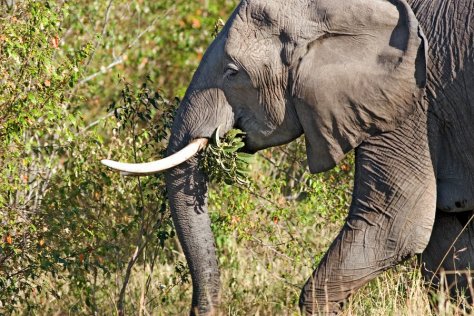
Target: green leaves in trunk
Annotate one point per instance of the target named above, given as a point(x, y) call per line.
point(223, 162)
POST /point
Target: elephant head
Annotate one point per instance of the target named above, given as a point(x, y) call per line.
point(338, 71)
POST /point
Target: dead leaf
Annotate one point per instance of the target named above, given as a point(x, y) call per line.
point(55, 41)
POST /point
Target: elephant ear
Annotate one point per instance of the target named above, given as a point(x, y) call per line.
point(362, 76)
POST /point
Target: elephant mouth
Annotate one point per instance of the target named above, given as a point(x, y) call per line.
point(140, 169)
point(254, 133)
point(248, 149)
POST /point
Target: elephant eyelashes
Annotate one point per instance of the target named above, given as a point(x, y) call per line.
point(231, 71)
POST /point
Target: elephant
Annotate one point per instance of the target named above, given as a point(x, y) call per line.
point(392, 80)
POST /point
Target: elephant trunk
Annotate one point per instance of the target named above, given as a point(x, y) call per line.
point(187, 194)
point(187, 184)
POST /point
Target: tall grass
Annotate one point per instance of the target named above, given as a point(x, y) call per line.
point(255, 281)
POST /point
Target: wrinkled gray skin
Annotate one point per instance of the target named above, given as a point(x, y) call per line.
point(348, 75)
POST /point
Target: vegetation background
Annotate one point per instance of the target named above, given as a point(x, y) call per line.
point(85, 80)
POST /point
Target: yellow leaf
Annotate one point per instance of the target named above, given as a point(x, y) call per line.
point(196, 23)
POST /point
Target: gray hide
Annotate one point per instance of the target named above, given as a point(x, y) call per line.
point(348, 75)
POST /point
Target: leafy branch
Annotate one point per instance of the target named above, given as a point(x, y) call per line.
point(224, 163)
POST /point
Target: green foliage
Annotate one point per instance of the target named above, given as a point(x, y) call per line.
point(223, 162)
point(63, 226)
point(36, 129)
point(33, 88)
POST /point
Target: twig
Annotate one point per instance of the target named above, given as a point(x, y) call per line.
point(104, 28)
point(282, 170)
point(451, 247)
point(147, 29)
point(122, 55)
point(128, 273)
point(138, 251)
point(143, 238)
point(272, 248)
point(139, 244)
point(103, 70)
point(296, 286)
point(88, 127)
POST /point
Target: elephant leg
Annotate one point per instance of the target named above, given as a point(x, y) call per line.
point(361, 252)
point(449, 256)
point(390, 218)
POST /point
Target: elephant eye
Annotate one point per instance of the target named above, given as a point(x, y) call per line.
point(231, 71)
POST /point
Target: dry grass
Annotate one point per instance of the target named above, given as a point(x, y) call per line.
point(266, 250)
point(256, 280)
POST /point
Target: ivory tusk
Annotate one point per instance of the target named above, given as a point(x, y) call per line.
point(147, 168)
